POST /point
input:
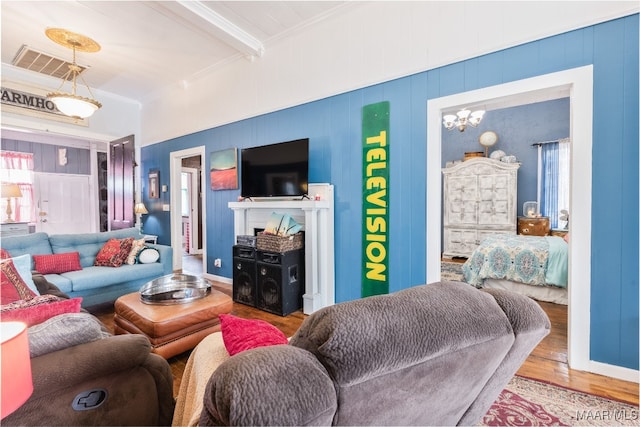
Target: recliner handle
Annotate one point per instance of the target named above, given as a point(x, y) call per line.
point(90, 399)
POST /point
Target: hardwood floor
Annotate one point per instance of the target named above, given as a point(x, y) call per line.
point(548, 362)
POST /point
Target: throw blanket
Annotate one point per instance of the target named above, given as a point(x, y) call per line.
point(532, 260)
point(204, 359)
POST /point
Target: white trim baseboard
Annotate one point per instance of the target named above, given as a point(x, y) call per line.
point(613, 371)
point(215, 278)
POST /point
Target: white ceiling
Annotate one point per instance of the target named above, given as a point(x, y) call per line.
point(148, 45)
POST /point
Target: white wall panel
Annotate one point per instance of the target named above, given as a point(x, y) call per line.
point(366, 44)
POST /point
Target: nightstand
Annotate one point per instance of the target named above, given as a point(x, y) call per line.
point(538, 226)
point(150, 238)
point(558, 232)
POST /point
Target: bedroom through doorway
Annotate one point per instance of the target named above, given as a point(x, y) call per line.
point(577, 85)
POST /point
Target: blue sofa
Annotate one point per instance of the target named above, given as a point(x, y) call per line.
point(95, 285)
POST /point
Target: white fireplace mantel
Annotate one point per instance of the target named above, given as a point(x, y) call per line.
point(316, 217)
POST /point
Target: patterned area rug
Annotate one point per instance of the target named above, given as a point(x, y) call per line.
point(526, 402)
point(451, 271)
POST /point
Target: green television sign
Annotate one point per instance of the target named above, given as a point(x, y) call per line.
point(375, 199)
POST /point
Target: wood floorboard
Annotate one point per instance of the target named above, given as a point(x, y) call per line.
point(548, 361)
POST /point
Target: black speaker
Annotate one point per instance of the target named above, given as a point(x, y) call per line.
point(244, 275)
point(280, 281)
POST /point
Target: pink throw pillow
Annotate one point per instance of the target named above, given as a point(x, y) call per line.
point(39, 309)
point(12, 287)
point(57, 263)
point(4, 254)
point(114, 253)
point(244, 334)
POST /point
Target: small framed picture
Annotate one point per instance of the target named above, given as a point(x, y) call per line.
point(224, 169)
point(154, 184)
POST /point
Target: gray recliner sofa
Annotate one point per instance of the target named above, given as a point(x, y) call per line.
point(436, 354)
point(112, 381)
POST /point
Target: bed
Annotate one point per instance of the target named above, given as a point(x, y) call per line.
point(530, 265)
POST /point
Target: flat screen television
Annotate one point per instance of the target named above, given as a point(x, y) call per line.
point(275, 170)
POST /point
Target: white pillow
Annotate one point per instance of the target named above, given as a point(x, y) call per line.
point(23, 267)
point(148, 256)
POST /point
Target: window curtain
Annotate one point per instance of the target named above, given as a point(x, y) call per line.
point(17, 168)
point(555, 181)
point(550, 178)
point(564, 180)
point(15, 160)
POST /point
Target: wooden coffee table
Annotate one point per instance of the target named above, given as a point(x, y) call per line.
point(171, 329)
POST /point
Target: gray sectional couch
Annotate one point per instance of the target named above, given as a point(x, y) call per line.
point(436, 354)
point(94, 284)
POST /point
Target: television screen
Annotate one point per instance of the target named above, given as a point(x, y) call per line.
point(275, 170)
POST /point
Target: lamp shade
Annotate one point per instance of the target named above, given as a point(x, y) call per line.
point(11, 190)
point(16, 381)
point(74, 105)
point(140, 208)
point(462, 118)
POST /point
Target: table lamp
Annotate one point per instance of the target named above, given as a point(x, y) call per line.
point(139, 209)
point(15, 377)
point(10, 191)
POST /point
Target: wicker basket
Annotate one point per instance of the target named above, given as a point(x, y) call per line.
point(272, 243)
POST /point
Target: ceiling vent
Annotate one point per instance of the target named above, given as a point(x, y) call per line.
point(43, 63)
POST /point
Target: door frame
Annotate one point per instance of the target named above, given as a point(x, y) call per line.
point(577, 83)
point(175, 171)
point(194, 214)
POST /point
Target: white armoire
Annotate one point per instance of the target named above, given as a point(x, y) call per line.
point(480, 198)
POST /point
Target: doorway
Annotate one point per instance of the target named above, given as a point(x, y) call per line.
point(178, 240)
point(191, 207)
point(577, 84)
point(191, 216)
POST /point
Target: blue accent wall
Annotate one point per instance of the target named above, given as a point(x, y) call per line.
point(333, 126)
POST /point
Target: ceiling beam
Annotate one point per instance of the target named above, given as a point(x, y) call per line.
point(226, 30)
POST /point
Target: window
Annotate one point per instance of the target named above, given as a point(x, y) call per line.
point(17, 168)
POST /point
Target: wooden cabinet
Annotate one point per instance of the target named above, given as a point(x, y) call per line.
point(480, 198)
point(533, 226)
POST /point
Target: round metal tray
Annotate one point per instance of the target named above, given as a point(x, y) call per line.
point(174, 289)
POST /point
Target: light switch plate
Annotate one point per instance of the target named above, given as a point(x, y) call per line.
point(166, 208)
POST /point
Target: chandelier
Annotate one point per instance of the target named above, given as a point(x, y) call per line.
point(462, 118)
point(72, 104)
